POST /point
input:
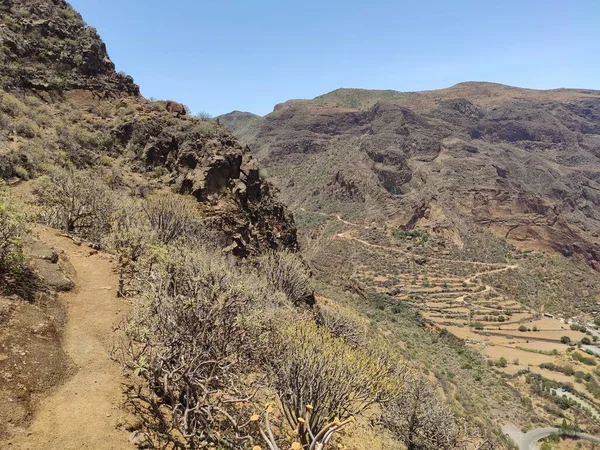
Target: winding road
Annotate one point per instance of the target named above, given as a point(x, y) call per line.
point(528, 441)
point(525, 441)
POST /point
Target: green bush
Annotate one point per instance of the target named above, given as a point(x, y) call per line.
point(13, 227)
point(12, 105)
point(565, 339)
point(583, 359)
point(501, 362)
point(412, 235)
point(26, 127)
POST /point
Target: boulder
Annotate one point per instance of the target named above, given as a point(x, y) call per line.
point(176, 108)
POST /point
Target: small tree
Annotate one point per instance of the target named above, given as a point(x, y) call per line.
point(501, 362)
point(522, 328)
point(75, 201)
point(565, 339)
point(586, 341)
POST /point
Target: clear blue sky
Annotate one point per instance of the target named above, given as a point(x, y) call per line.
point(217, 56)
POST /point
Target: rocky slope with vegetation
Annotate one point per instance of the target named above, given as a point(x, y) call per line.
point(64, 104)
point(177, 241)
point(520, 165)
point(135, 234)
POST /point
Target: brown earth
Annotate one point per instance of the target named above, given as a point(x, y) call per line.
point(85, 411)
point(32, 322)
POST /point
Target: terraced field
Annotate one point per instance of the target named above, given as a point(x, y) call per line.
point(448, 292)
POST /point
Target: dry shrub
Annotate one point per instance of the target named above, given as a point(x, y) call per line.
point(12, 105)
point(78, 202)
point(322, 382)
point(287, 273)
point(209, 332)
point(188, 344)
point(130, 238)
point(341, 323)
point(421, 420)
point(172, 216)
point(141, 226)
point(26, 127)
point(207, 329)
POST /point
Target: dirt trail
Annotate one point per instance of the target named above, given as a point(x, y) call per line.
point(83, 412)
point(488, 268)
point(488, 272)
point(348, 236)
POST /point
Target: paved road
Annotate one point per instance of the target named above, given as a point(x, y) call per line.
point(593, 348)
point(528, 440)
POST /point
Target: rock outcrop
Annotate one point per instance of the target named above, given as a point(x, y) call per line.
point(45, 45)
point(51, 60)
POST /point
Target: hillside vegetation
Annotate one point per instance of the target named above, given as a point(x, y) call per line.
point(154, 233)
point(466, 215)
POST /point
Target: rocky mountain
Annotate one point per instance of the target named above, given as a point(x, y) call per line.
point(521, 163)
point(401, 289)
point(62, 103)
point(46, 46)
point(64, 109)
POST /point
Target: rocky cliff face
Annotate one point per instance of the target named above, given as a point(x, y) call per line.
point(524, 164)
point(61, 102)
point(46, 46)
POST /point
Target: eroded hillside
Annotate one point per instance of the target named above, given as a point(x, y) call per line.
point(476, 209)
point(518, 164)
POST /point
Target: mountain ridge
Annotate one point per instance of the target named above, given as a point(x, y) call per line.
point(533, 152)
